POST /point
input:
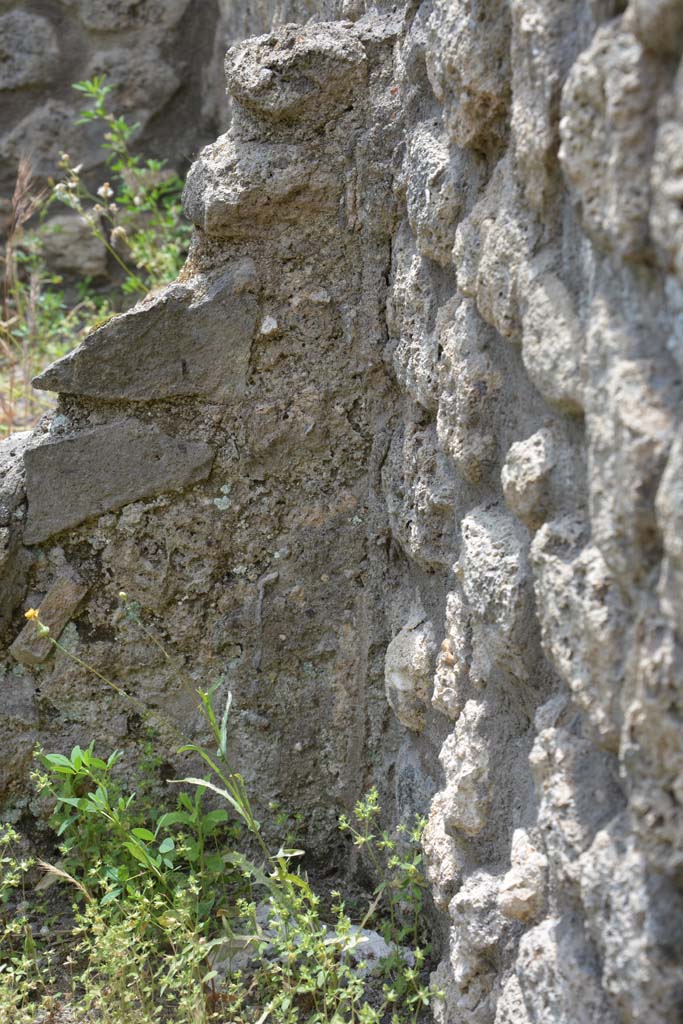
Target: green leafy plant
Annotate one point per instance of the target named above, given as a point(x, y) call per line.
point(187, 915)
point(25, 974)
point(135, 215)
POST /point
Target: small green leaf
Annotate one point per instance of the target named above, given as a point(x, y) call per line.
point(214, 818)
point(165, 847)
point(109, 897)
point(58, 759)
point(144, 833)
point(215, 863)
point(73, 801)
point(139, 853)
point(173, 818)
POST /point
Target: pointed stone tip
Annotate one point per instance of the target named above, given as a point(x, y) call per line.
point(41, 382)
point(52, 378)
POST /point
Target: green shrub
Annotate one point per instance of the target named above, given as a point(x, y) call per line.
point(175, 920)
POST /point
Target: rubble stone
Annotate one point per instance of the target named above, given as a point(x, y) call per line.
point(122, 462)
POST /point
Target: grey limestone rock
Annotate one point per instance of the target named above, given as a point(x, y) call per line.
point(553, 343)
point(14, 558)
point(122, 462)
point(233, 188)
point(554, 964)
point(297, 78)
point(465, 413)
point(141, 81)
point(28, 50)
point(669, 505)
point(608, 137)
point(44, 132)
point(584, 621)
point(192, 338)
point(525, 477)
point(437, 183)
point(522, 892)
point(110, 15)
point(635, 919)
point(467, 62)
point(658, 24)
point(407, 671)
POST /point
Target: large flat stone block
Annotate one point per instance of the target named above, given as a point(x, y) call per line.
point(191, 338)
point(75, 478)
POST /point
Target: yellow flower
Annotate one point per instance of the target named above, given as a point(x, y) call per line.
point(32, 614)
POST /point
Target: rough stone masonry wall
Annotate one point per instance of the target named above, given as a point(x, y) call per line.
point(162, 58)
point(409, 424)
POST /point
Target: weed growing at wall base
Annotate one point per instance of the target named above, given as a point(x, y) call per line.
point(184, 914)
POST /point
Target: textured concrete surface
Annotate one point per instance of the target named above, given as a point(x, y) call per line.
point(440, 543)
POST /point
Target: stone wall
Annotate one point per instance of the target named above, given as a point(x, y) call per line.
point(399, 457)
point(163, 58)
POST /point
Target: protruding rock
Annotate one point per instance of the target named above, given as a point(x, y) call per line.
point(525, 474)
point(584, 621)
point(70, 245)
point(521, 895)
point(666, 215)
point(465, 758)
point(559, 975)
point(608, 131)
point(444, 854)
point(469, 386)
point(140, 79)
point(235, 188)
point(436, 188)
point(670, 518)
point(44, 133)
point(553, 343)
point(539, 59)
point(631, 422)
point(492, 250)
point(111, 15)
point(468, 65)
point(192, 338)
point(635, 917)
point(14, 558)
point(121, 462)
point(411, 308)
point(407, 672)
point(658, 24)
point(496, 584)
point(452, 663)
point(300, 74)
